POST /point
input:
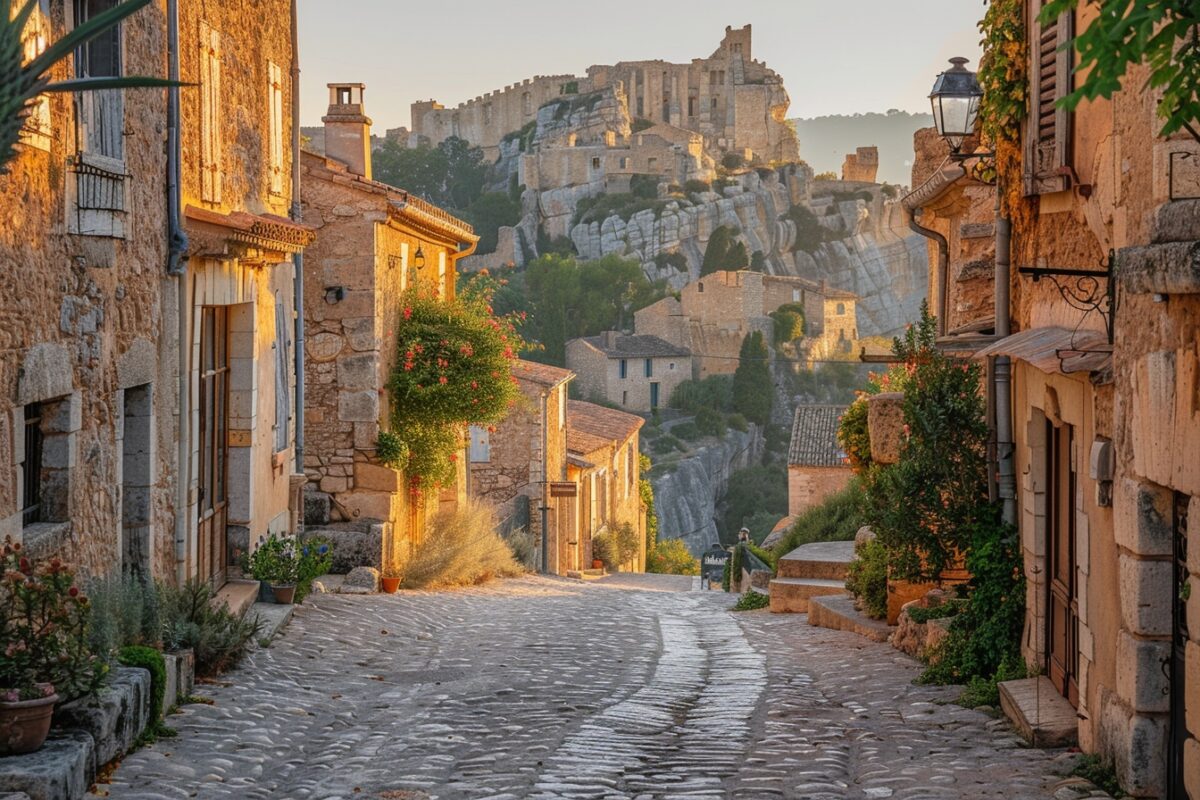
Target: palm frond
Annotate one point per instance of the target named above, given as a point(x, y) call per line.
point(116, 82)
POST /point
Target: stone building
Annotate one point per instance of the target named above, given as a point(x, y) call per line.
point(1104, 478)
point(862, 165)
point(512, 463)
point(636, 372)
point(736, 103)
point(236, 193)
point(374, 242)
point(88, 326)
point(603, 460)
point(817, 467)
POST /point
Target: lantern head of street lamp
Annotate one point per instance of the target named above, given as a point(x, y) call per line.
point(955, 100)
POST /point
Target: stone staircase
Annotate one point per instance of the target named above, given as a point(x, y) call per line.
point(811, 570)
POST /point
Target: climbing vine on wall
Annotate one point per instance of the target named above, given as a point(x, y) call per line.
point(1003, 71)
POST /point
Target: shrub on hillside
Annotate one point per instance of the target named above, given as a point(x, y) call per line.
point(672, 557)
point(867, 577)
point(710, 422)
point(461, 548)
point(715, 392)
point(837, 519)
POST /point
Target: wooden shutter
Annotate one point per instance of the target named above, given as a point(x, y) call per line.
point(210, 114)
point(275, 100)
point(1048, 128)
point(283, 400)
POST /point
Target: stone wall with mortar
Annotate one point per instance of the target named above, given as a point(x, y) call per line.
point(809, 486)
point(86, 324)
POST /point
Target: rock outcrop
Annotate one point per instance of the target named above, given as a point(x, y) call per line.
point(686, 496)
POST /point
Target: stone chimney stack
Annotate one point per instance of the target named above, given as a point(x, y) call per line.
point(348, 128)
point(609, 339)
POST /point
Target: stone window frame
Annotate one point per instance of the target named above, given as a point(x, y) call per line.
point(648, 367)
point(623, 369)
point(61, 420)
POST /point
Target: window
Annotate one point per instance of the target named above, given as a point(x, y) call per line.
point(714, 104)
point(623, 369)
point(795, 295)
point(692, 101)
point(671, 366)
point(283, 401)
point(487, 113)
point(526, 104)
point(624, 398)
point(654, 395)
point(275, 103)
point(649, 368)
point(210, 114)
point(595, 163)
point(652, 163)
point(841, 308)
point(442, 274)
point(562, 406)
point(700, 287)
point(101, 113)
point(481, 445)
point(31, 469)
point(624, 163)
point(343, 95)
point(1048, 126)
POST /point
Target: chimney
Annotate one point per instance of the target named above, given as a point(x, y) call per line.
point(609, 340)
point(348, 128)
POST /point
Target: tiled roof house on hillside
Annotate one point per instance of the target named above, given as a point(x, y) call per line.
point(817, 467)
point(635, 372)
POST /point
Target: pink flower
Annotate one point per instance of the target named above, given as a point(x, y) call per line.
point(408, 313)
point(442, 380)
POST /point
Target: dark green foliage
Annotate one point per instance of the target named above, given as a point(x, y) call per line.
point(867, 578)
point(671, 557)
point(688, 431)
point(218, 638)
point(604, 550)
point(724, 251)
point(525, 135)
point(622, 204)
point(567, 299)
point(646, 495)
point(760, 524)
point(831, 383)
point(451, 175)
point(715, 392)
point(751, 491)
point(710, 422)
point(758, 262)
point(752, 601)
point(391, 450)
point(738, 423)
point(753, 388)
point(695, 186)
point(667, 444)
point(945, 610)
point(316, 559)
point(733, 161)
point(789, 326)
point(810, 234)
point(837, 519)
point(889, 191)
point(125, 611)
point(488, 213)
point(151, 660)
point(1094, 768)
point(558, 246)
point(571, 87)
point(677, 261)
point(985, 691)
point(727, 574)
point(644, 187)
point(640, 124)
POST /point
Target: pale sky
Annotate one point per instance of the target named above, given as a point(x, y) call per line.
point(836, 57)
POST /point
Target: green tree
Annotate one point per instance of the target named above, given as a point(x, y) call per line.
point(490, 212)
point(750, 492)
point(451, 175)
point(724, 251)
point(753, 389)
point(1162, 34)
point(758, 262)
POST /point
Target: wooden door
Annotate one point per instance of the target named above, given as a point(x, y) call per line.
point(214, 431)
point(1179, 732)
point(1062, 623)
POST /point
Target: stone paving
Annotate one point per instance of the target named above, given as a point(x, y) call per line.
point(635, 686)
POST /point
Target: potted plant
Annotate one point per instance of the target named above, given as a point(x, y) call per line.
point(604, 551)
point(43, 624)
point(390, 579)
point(276, 563)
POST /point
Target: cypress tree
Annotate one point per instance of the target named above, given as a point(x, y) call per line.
point(753, 389)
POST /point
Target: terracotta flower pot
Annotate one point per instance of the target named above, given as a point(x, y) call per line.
point(390, 585)
point(597, 564)
point(25, 724)
point(284, 595)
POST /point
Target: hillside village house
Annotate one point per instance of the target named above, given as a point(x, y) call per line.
point(817, 467)
point(99, 470)
point(374, 242)
point(513, 463)
point(1104, 477)
point(603, 460)
point(636, 372)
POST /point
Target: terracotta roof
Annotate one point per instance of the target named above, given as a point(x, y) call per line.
point(263, 230)
point(541, 374)
point(636, 346)
point(814, 437)
point(591, 427)
point(1055, 350)
point(838, 294)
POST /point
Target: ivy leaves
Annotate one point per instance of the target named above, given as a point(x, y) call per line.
point(1003, 71)
point(1162, 34)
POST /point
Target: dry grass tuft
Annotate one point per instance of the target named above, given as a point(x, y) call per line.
point(461, 548)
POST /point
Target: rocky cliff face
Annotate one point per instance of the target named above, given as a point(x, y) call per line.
point(686, 497)
point(872, 252)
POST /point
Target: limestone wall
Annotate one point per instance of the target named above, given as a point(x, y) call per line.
point(810, 486)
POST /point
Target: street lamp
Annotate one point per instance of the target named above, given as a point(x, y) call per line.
point(955, 101)
point(419, 258)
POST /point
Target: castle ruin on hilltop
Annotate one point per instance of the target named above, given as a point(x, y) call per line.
point(737, 104)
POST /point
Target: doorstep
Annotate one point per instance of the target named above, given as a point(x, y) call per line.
point(273, 617)
point(1042, 715)
point(237, 595)
point(837, 612)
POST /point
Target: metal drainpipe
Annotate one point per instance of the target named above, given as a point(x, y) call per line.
point(177, 248)
point(298, 258)
point(1005, 469)
point(545, 509)
point(943, 265)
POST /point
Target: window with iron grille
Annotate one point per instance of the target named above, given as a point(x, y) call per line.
point(31, 503)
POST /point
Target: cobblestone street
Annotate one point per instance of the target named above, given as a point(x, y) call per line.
point(630, 687)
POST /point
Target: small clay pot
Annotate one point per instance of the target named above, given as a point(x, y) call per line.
point(597, 564)
point(284, 595)
point(390, 585)
point(25, 724)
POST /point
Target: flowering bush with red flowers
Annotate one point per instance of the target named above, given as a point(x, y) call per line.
point(43, 630)
point(453, 369)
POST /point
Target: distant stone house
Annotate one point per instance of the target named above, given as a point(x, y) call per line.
point(635, 372)
point(375, 241)
point(511, 464)
point(603, 460)
point(817, 467)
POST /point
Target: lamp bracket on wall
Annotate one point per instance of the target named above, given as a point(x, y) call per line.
point(1087, 290)
point(979, 166)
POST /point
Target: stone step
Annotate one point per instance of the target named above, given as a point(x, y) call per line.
point(273, 617)
point(837, 612)
point(1041, 714)
point(238, 595)
point(791, 595)
point(827, 560)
